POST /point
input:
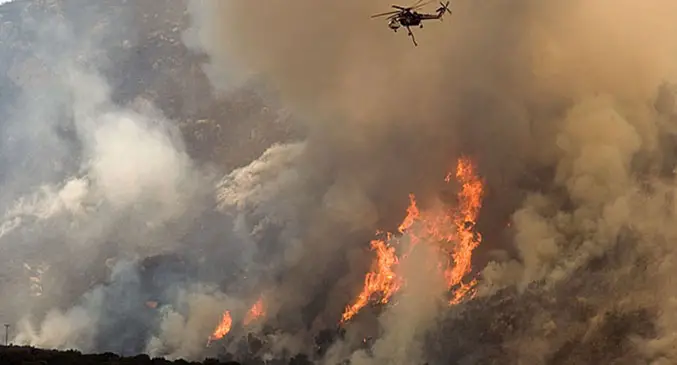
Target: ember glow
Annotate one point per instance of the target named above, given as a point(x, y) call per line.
point(450, 230)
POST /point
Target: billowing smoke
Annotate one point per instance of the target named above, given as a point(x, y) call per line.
point(116, 240)
point(562, 104)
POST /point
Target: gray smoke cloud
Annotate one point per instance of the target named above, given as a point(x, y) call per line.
point(556, 102)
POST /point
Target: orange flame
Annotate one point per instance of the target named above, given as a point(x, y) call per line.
point(413, 214)
point(469, 204)
point(255, 312)
point(452, 232)
point(381, 279)
point(223, 328)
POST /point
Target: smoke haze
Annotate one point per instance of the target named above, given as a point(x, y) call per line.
point(563, 106)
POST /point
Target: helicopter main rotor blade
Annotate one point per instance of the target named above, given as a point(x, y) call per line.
point(421, 5)
point(416, 4)
point(388, 13)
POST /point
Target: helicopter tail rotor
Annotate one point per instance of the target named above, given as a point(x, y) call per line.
point(443, 9)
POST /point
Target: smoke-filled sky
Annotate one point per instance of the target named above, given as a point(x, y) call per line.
point(561, 105)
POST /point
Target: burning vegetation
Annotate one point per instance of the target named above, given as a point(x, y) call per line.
point(447, 229)
point(223, 327)
point(254, 313)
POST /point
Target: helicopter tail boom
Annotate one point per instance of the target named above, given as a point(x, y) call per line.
point(439, 13)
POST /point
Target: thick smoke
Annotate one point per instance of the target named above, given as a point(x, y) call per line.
point(556, 101)
point(113, 239)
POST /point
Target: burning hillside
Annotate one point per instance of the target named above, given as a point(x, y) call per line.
point(503, 193)
point(447, 231)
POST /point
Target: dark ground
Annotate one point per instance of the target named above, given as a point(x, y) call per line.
point(13, 355)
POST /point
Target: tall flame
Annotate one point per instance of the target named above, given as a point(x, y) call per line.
point(452, 232)
point(469, 204)
point(223, 328)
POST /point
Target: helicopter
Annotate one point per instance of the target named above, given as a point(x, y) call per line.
point(408, 17)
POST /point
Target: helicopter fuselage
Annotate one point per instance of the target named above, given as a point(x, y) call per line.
point(410, 20)
point(405, 20)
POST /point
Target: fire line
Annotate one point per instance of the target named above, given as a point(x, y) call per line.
point(450, 231)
